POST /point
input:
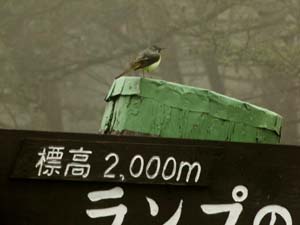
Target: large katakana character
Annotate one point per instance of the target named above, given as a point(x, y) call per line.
point(239, 194)
point(118, 211)
point(273, 210)
point(154, 209)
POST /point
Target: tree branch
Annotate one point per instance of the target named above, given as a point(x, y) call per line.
point(11, 115)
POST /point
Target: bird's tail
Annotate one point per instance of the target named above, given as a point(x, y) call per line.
point(124, 72)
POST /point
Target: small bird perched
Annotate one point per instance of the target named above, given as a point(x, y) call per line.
point(147, 60)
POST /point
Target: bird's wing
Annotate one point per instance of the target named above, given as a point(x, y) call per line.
point(144, 59)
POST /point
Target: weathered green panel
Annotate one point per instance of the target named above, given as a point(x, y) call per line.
point(160, 108)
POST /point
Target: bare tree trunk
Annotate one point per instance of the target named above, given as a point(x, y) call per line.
point(211, 66)
point(171, 65)
point(290, 128)
point(51, 105)
point(283, 103)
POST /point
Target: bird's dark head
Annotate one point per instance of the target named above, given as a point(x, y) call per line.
point(156, 48)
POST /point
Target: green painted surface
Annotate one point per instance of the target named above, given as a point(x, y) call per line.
point(168, 109)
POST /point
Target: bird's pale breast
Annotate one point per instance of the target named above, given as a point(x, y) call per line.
point(153, 66)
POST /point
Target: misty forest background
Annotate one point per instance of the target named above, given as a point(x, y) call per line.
point(58, 58)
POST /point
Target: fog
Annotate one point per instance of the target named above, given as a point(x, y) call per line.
point(58, 58)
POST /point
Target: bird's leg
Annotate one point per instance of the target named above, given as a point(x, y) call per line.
point(143, 73)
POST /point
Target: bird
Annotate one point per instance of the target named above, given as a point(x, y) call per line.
point(147, 60)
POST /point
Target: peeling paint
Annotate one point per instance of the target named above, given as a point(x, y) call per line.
point(168, 109)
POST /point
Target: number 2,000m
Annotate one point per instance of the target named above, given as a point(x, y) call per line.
point(170, 169)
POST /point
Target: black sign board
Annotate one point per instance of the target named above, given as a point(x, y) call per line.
point(60, 178)
point(115, 162)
